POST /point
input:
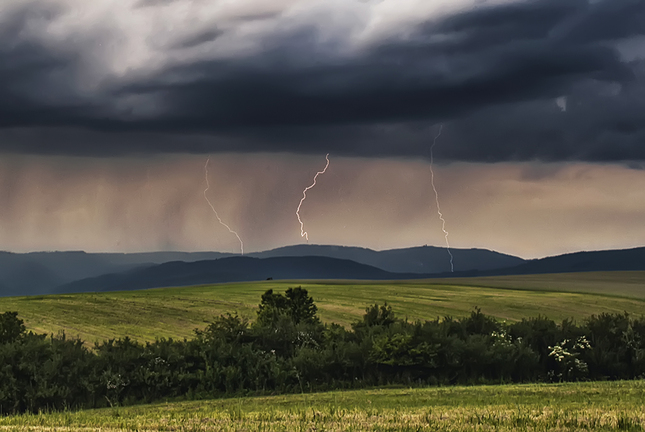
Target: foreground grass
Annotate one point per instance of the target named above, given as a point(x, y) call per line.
point(176, 312)
point(608, 406)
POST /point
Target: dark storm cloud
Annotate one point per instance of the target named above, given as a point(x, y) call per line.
point(35, 82)
point(491, 74)
point(198, 39)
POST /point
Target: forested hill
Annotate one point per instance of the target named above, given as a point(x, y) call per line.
point(42, 272)
point(423, 259)
point(57, 272)
point(608, 260)
point(243, 269)
point(233, 269)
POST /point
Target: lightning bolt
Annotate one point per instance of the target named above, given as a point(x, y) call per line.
point(436, 196)
point(303, 233)
point(208, 186)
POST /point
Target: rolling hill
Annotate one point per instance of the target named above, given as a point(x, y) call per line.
point(607, 260)
point(56, 272)
point(231, 269)
point(246, 269)
point(42, 272)
point(422, 260)
point(175, 312)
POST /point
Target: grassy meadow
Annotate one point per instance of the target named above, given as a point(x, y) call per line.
point(606, 406)
point(626, 283)
point(176, 312)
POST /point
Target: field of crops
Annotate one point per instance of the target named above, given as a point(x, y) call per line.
point(607, 406)
point(176, 312)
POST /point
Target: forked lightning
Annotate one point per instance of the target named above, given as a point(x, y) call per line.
point(436, 196)
point(208, 186)
point(303, 233)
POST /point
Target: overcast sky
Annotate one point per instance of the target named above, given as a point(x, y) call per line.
point(108, 110)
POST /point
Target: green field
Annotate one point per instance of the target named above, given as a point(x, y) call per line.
point(176, 312)
point(608, 406)
point(627, 284)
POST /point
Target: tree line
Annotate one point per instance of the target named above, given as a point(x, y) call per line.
point(288, 349)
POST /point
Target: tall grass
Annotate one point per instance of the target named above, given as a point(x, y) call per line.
point(607, 406)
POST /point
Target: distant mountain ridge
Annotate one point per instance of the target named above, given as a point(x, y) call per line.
point(42, 272)
point(422, 259)
point(50, 272)
point(232, 269)
point(607, 260)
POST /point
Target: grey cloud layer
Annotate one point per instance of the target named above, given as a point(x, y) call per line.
point(491, 73)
